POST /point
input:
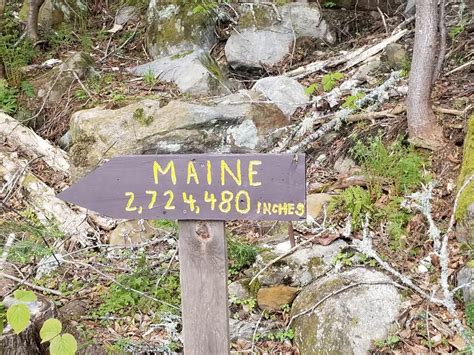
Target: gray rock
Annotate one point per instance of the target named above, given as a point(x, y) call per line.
point(126, 14)
point(344, 165)
point(287, 93)
point(146, 128)
point(264, 39)
point(394, 56)
point(237, 290)
point(65, 141)
point(173, 27)
point(243, 329)
point(349, 322)
point(465, 276)
point(257, 48)
point(193, 72)
point(79, 62)
point(298, 269)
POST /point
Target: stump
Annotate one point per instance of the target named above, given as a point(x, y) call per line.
point(28, 342)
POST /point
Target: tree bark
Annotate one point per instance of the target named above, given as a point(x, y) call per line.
point(3, 74)
point(32, 23)
point(423, 128)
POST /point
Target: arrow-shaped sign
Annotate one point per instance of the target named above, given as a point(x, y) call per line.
point(204, 187)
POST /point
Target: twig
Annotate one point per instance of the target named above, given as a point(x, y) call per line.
point(255, 332)
point(168, 268)
point(289, 252)
point(82, 85)
point(29, 284)
point(383, 19)
point(121, 46)
point(461, 67)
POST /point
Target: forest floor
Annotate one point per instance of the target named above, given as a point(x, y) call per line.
point(96, 283)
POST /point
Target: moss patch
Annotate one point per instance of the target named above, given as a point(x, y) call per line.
point(467, 170)
point(258, 17)
point(141, 118)
point(79, 152)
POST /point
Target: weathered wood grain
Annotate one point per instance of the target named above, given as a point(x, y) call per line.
point(203, 269)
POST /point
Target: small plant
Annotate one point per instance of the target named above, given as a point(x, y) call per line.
point(249, 303)
point(391, 341)
point(149, 78)
point(456, 30)
point(8, 102)
point(207, 8)
point(350, 102)
point(81, 94)
point(280, 335)
point(117, 97)
point(141, 118)
point(27, 88)
point(311, 89)
point(344, 258)
point(406, 67)
point(328, 4)
point(330, 80)
point(356, 201)
point(398, 166)
point(241, 255)
point(470, 314)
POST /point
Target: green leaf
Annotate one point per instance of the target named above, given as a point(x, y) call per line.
point(51, 328)
point(64, 344)
point(2, 326)
point(18, 316)
point(24, 296)
point(311, 89)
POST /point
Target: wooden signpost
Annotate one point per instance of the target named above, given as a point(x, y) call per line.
point(201, 192)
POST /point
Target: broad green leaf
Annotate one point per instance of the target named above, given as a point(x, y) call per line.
point(18, 316)
point(2, 326)
point(64, 344)
point(51, 328)
point(311, 89)
point(24, 296)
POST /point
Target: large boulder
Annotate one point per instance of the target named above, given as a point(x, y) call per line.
point(194, 72)
point(286, 93)
point(387, 6)
point(349, 321)
point(264, 36)
point(232, 125)
point(173, 27)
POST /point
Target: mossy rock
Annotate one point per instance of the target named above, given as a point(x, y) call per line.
point(349, 321)
point(173, 27)
point(467, 170)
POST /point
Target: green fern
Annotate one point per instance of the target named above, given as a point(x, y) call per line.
point(330, 80)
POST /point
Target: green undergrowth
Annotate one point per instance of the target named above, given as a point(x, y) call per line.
point(119, 300)
point(391, 172)
point(241, 255)
point(32, 236)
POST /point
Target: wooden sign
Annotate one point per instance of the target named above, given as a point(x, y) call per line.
point(192, 187)
point(202, 191)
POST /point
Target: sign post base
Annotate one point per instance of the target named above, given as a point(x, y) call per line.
point(204, 298)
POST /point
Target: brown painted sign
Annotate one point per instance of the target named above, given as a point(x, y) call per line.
point(196, 187)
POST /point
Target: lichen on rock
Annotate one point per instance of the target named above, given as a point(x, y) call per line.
point(173, 27)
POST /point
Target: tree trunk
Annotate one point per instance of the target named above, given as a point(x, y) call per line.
point(32, 23)
point(423, 128)
point(3, 74)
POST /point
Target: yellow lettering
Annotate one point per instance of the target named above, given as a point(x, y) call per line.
point(226, 197)
point(291, 208)
point(246, 195)
point(169, 168)
point(225, 168)
point(275, 208)
point(253, 172)
point(169, 203)
point(153, 198)
point(300, 210)
point(267, 208)
point(192, 174)
point(209, 173)
point(259, 205)
point(129, 207)
point(283, 209)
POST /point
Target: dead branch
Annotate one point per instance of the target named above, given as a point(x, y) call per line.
point(29, 284)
